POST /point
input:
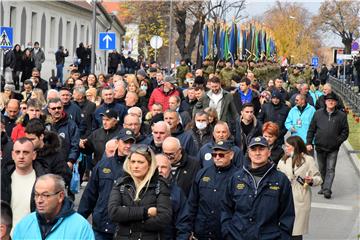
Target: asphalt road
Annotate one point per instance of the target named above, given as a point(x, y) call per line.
point(335, 218)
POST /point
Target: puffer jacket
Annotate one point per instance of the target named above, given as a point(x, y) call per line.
point(131, 216)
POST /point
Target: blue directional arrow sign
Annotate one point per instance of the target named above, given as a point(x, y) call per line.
point(339, 61)
point(315, 61)
point(107, 41)
point(6, 37)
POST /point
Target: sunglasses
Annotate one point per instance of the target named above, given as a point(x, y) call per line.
point(55, 108)
point(221, 155)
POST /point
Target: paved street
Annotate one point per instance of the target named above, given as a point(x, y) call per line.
point(338, 217)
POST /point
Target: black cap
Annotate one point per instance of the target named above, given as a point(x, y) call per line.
point(110, 113)
point(222, 145)
point(276, 94)
point(258, 141)
point(331, 96)
point(126, 134)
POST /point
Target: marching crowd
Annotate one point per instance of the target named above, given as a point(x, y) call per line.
point(210, 154)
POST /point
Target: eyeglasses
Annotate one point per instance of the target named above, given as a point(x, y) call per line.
point(140, 148)
point(55, 108)
point(45, 195)
point(221, 155)
point(170, 156)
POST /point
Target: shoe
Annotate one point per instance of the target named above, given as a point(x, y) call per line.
point(321, 191)
point(327, 194)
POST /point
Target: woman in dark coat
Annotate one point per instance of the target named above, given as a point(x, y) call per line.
point(18, 65)
point(140, 202)
point(28, 65)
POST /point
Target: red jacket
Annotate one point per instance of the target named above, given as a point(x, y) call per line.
point(158, 96)
point(17, 132)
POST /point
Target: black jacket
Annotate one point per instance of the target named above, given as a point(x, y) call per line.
point(87, 114)
point(186, 139)
point(9, 124)
point(329, 130)
point(6, 148)
point(187, 105)
point(6, 181)
point(201, 137)
point(51, 158)
point(43, 85)
point(95, 198)
point(275, 113)
point(131, 216)
point(97, 140)
point(277, 152)
point(185, 172)
point(241, 139)
point(60, 57)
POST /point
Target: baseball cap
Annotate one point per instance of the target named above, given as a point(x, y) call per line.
point(258, 141)
point(222, 145)
point(110, 113)
point(126, 134)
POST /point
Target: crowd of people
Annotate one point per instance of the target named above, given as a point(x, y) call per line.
point(214, 153)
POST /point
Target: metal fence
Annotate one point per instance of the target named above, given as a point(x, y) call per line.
point(347, 94)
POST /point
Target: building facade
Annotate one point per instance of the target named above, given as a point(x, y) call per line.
point(59, 23)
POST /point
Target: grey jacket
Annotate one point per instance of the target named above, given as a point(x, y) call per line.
point(39, 58)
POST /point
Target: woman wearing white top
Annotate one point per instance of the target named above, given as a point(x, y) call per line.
point(301, 170)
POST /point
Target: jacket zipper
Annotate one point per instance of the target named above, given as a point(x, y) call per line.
point(256, 185)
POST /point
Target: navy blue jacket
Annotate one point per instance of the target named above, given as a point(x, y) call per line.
point(96, 194)
point(205, 158)
point(265, 211)
point(186, 139)
point(119, 108)
point(203, 207)
point(70, 137)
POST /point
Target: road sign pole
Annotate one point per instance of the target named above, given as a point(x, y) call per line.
point(344, 73)
point(93, 38)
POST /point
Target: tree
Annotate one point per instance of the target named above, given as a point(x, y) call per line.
point(294, 34)
point(341, 18)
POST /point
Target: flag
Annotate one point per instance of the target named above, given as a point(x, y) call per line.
point(205, 42)
point(232, 40)
point(226, 45)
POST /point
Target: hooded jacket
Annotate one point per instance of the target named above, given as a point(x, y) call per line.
point(241, 139)
point(66, 225)
point(51, 158)
point(186, 139)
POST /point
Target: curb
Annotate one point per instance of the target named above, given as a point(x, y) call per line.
point(353, 157)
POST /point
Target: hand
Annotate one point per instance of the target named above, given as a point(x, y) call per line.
point(308, 179)
point(309, 147)
point(70, 164)
point(293, 130)
point(152, 212)
point(82, 143)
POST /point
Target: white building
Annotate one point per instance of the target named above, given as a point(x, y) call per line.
point(55, 23)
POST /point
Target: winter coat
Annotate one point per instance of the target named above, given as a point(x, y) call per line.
point(67, 225)
point(187, 105)
point(51, 158)
point(242, 140)
point(60, 57)
point(255, 100)
point(9, 123)
point(328, 130)
point(159, 96)
point(275, 113)
point(131, 216)
point(95, 198)
point(119, 108)
point(43, 85)
point(18, 132)
point(6, 181)
point(186, 139)
point(300, 121)
point(201, 137)
point(28, 65)
point(203, 207)
point(87, 110)
point(301, 193)
point(257, 211)
point(6, 149)
point(185, 172)
point(74, 112)
point(39, 58)
point(18, 60)
point(277, 152)
point(97, 140)
point(70, 137)
point(205, 158)
point(9, 59)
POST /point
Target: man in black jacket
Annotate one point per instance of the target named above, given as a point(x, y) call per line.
point(60, 56)
point(329, 127)
point(95, 143)
point(183, 167)
point(320, 103)
point(275, 111)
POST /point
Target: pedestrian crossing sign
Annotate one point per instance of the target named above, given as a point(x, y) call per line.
point(6, 37)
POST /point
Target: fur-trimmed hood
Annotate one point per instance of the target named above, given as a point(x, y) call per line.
point(52, 144)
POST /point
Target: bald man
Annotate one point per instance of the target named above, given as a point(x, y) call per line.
point(183, 167)
point(160, 131)
point(12, 112)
